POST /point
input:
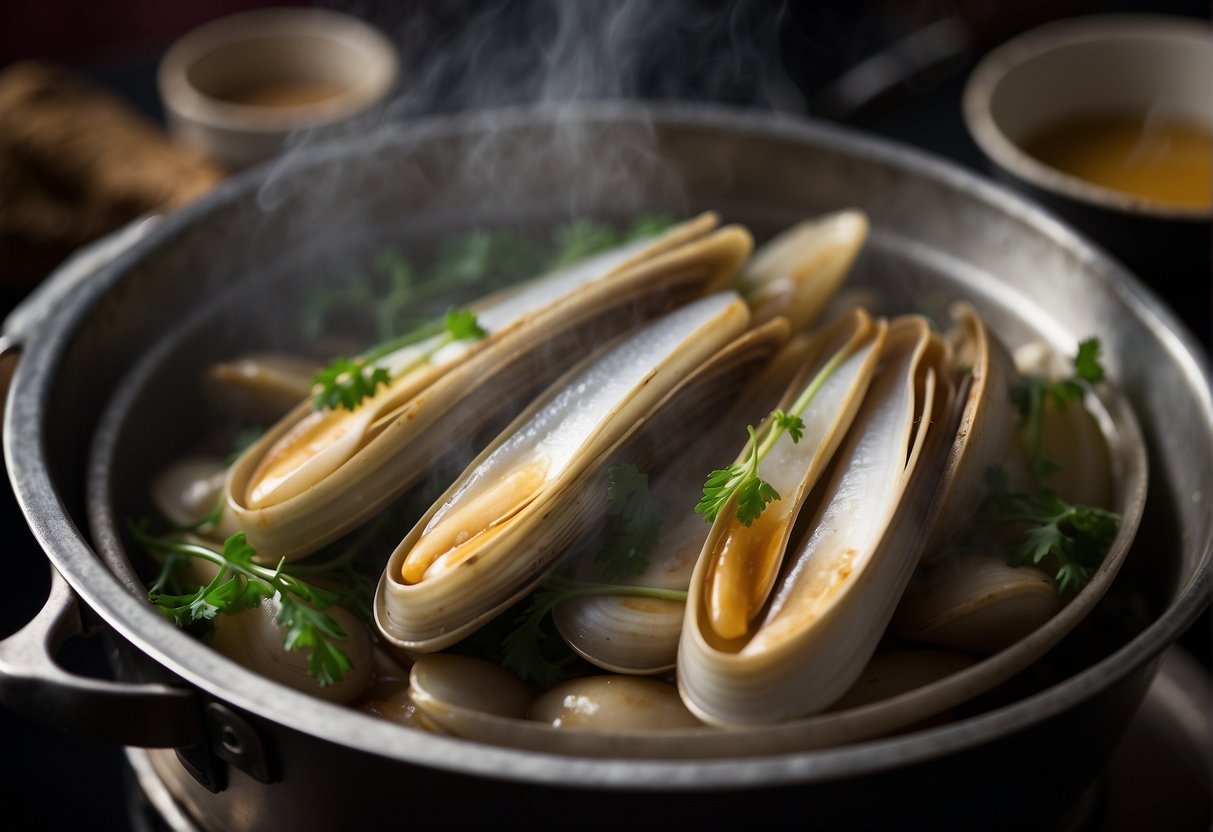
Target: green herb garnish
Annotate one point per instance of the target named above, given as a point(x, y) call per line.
point(242, 584)
point(348, 382)
point(740, 482)
point(1073, 539)
point(583, 238)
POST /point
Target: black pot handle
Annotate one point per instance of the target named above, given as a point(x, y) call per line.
point(33, 685)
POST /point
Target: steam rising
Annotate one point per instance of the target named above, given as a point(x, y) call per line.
point(472, 57)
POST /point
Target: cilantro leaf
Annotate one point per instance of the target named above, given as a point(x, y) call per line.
point(752, 499)
point(741, 480)
point(307, 628)
point(1086, 363)
point(462, 325)
point(524, 646)
point(718, 490)
point(346, 383)
point(241, 584)
point(793, 424)
point(1071, 540)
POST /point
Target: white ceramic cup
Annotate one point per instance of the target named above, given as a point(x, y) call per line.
point(236, 87)
point(1139, 65)
point(1152, 66)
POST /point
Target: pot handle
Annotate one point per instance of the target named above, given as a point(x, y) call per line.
point(33, 685)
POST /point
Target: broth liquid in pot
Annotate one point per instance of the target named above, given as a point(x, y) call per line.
point(1165, 160)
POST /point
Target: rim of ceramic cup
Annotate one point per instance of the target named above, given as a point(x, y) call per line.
point(1163, 31)
point(325, 29)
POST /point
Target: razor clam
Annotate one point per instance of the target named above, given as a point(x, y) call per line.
point(798, 272)
point(837, 588)
point(505, 523)
point(744, 555)
point(640, 635)
point(318, 474)
point(254, 639)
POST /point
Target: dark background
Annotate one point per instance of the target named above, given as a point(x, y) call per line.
point(763, 55)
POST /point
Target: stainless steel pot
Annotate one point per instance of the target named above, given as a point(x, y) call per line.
point(109, 365)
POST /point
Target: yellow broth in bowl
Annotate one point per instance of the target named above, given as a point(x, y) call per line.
point(1167, 160)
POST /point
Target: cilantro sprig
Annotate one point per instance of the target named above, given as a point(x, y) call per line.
point(1068, 538)
point(348, 382)
point(524, 646)
point(345, 383)
point(740, 482)
point(242, 584)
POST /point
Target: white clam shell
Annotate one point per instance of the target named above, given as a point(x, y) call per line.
point(259, 387)
point(445, 685)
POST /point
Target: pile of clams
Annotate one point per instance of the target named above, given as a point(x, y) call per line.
point(823, 568)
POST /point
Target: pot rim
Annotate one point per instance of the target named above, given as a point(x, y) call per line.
point(137, 622)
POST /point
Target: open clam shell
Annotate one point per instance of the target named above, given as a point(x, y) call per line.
point(506, 522)
point(317, 475)
point(837, 590)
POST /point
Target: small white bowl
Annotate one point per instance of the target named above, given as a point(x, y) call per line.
point(1136, 65)
point(236, 87)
